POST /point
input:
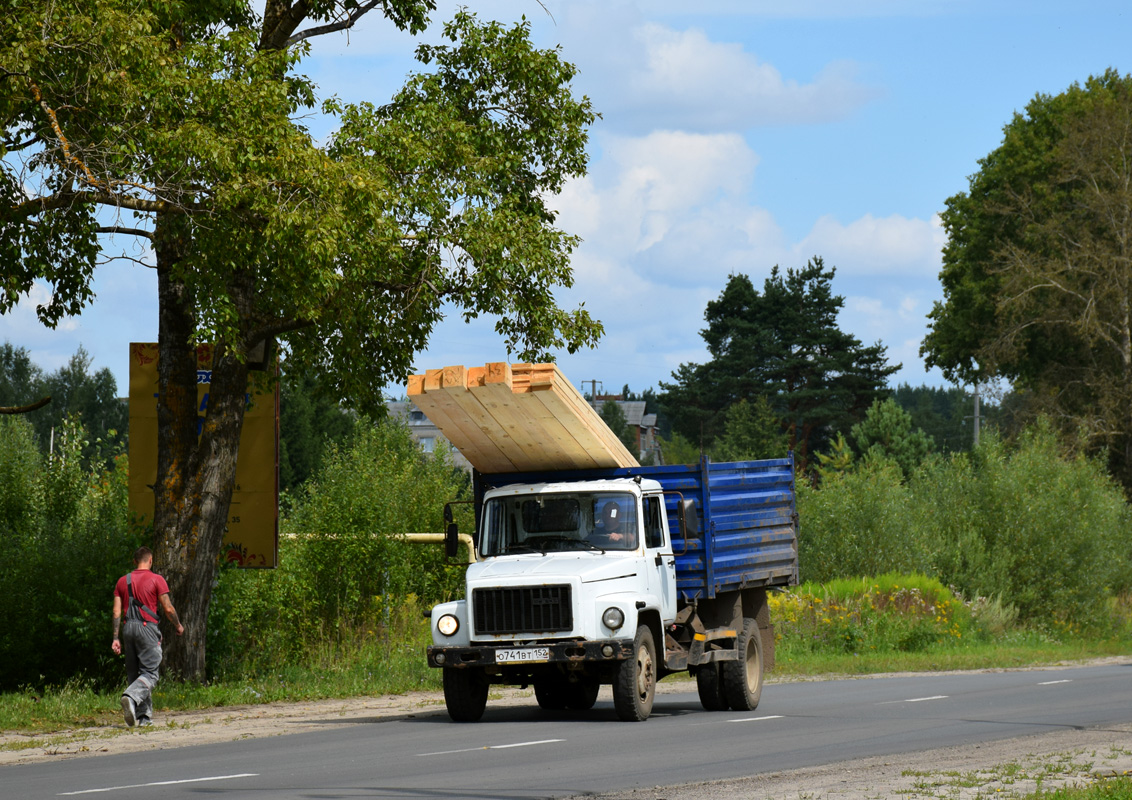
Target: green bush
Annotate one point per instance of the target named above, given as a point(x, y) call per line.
point(343, 569)
point(888, 613)
point(858, 523)
point(64, 541)
point(1044, 532)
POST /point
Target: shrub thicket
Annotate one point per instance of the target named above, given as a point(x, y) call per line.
point(343, 570)
point(888, 613)
point(1046, 532)
point(1034, 529)
point(857, 523)
point(64, 540)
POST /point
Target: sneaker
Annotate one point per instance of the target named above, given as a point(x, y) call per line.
point(128, 710)
point(144, 722)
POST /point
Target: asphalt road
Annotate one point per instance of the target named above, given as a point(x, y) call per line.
point(526, 753)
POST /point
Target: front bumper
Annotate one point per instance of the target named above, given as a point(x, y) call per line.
point(560, 653)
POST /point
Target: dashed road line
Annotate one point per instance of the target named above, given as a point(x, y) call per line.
point(490, 747)
point(161, 783)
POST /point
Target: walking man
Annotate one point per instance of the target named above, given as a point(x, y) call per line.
point(139, 592)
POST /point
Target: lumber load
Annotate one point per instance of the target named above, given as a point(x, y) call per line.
point(517, 418)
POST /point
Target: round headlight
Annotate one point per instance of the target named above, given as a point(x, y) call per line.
point(448, 625)
point(613, 618)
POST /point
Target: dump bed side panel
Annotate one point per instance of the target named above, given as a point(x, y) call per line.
point(748, 535)
point(747, 525)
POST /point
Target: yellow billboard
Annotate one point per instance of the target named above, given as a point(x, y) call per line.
point(252, 535)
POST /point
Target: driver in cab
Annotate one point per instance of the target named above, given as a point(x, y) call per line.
point(613, 528)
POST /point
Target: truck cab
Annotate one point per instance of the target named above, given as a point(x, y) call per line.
point(569, 572)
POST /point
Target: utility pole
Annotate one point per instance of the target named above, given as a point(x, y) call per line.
point(593, 389)
point(976, 416)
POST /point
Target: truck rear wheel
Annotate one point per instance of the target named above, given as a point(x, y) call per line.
point(634, 688)
point(465, 694)
point(709, 683)
point(743, 677)
point(551, 693)
point(582, 695)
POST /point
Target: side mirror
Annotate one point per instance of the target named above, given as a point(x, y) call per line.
point(690, 521)
point(451, 534)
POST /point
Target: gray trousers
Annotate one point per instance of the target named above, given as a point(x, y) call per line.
point(141, 645)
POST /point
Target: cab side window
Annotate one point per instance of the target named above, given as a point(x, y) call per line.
point(654, 531)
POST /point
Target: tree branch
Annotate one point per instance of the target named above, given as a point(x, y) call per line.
point(25, 409)
point(332, 27)
point(128, 231)
point(29, 208)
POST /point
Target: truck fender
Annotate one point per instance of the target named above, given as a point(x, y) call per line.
point(463, 635)
point(627, 603)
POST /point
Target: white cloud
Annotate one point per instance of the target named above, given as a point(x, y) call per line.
point(894, 245)
point(643, 75)
point(656, 206)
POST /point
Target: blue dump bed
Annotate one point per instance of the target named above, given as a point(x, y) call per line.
point(747, 523)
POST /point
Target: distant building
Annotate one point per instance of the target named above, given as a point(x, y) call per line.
point(644, 425)
point(424, 433)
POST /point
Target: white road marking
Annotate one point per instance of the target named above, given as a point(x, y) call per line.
point(1051, 683)
point(161, 783)
point(755, 719)
point(914, 700)
point(490, 747)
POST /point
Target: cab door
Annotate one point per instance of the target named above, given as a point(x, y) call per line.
point(660, 563)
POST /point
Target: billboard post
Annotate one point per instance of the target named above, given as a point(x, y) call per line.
point(252, 536)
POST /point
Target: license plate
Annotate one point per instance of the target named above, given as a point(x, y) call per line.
point(523, 655)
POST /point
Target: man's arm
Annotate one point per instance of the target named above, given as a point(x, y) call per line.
point(116, 623)
point(170, 612)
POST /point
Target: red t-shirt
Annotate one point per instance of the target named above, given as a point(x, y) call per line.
point(147, 586)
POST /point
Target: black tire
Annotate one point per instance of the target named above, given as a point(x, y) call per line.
point(465, 694)
point(709, 683)
point(743, 678)
point(582, 695)
point(634, 687)
point(551, 693)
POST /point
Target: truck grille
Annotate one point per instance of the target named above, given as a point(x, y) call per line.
point(522, 609)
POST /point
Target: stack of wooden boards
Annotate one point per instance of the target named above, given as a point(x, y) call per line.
point(517, 418)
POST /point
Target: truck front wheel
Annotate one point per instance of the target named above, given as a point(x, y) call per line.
point(465, 694)
point(634, 688)
point(743, 677)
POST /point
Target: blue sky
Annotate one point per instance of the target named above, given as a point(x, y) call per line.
point(734, 136)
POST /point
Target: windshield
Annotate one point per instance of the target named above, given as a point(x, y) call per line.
point(543, 523)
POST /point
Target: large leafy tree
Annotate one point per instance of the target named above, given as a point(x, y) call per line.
point(783, 344)
point(179, 125)
point(1037, 271)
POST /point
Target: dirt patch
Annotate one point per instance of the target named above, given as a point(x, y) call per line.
point(1009, 767)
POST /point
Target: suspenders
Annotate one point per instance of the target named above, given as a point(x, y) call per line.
point(134, 607)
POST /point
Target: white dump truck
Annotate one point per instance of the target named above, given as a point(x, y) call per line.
point(619, 576)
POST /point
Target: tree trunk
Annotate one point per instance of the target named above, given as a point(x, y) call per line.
point(195, 476)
